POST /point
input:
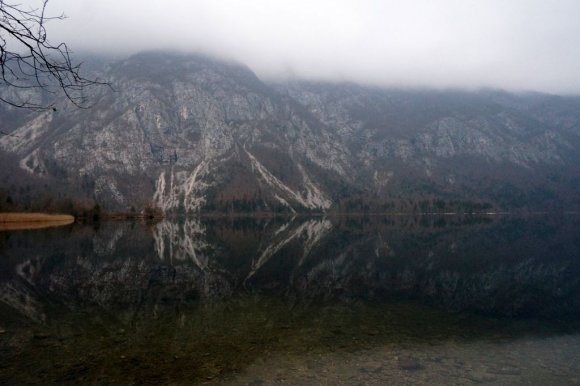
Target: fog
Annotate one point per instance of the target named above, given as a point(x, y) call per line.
point(515, 44)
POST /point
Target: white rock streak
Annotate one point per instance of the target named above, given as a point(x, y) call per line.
point(315, 198)
point(311, 198)
point(24, 140)
point(32, 163)
point(182, 189)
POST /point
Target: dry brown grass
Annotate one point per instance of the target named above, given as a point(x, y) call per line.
point(19, 221)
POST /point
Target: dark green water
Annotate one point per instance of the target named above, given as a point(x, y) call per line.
point(379, 300)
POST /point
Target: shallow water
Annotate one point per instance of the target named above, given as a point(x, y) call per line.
point(389, 300)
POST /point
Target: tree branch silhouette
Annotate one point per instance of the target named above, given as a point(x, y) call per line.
point(28, 60)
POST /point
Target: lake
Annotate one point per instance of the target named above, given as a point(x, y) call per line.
point(307, 300)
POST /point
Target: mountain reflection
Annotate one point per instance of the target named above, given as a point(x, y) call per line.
point(510, 266)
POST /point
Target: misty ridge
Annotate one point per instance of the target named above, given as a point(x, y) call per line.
point(188, 133)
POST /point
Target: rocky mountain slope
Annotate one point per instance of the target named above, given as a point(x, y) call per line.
point(194, 134)
point(509, 148)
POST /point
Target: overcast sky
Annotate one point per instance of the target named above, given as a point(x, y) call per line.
point(511, 44)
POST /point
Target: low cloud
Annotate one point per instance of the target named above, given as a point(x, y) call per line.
point(516, 44)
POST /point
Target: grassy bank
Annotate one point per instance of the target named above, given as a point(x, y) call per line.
point(21, 221)
point(34, 217)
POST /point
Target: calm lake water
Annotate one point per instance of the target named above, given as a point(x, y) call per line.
point(253, 301)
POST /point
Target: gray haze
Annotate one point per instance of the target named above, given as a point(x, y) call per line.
point(515, 44)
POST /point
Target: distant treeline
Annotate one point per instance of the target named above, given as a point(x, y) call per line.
point(47, 202)
point(91, 210)
point(412, 205)
point(83, 209)
point(353, 204)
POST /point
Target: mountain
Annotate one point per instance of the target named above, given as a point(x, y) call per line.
point(511, 149)
point(192, 133)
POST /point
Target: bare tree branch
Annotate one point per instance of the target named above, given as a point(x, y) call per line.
point(29, 61)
